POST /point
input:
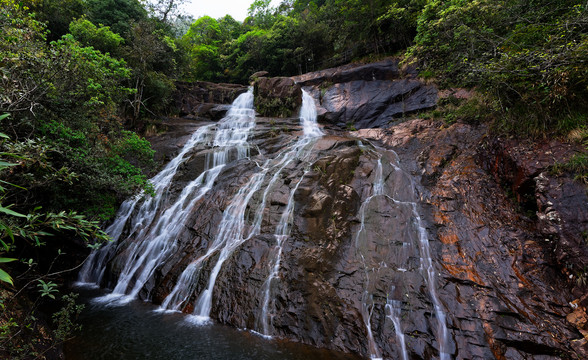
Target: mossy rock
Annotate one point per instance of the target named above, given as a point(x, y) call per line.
point(277, 97)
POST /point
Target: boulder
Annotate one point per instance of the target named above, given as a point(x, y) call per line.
point(253, 78)
point(367, 96)
point(277, 97)
point(363, 104)
point(381, 70)
point(201, 98)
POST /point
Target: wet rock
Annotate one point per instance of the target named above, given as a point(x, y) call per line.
point(559, 203)
point(277, 97)
point(505, 289)
point(209, 111)
point(499, 281)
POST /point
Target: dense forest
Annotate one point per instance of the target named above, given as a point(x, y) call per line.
point(81, 80)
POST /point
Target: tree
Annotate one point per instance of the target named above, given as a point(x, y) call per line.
point(152, 56)
point(165, 10)
point(531, 55)
point(261, 14)
point(99, 37)
point(57, 14)
point(117, 14)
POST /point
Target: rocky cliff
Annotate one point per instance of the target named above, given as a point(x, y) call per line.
point(413, 240)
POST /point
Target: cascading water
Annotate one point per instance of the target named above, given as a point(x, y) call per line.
point(367, 302)
point(427, 267)
point(393, 310)
point(93, 269)
point(230, 237)
point(302, 150)
point(391, 265)
point(232, 226)
point(156, 238)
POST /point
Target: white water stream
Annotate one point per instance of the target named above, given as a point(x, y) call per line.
point(232, 227)
point(396, 259)
point(157, 240)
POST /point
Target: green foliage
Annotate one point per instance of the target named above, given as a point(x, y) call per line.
point(577, 165)
point(66, 159)
point(473, 110)
point(261, 14)
point(204, 31)
point(23, 336)
point(116, 14)
point(65, 318)
point(296, 37)
point(57, 14)
point(47, 288)
point(3, 274)
point(99, 37)
point(92, 79)
point(153, 57)
point(529, 54)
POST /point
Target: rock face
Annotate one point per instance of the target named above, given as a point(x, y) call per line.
point(420, 236)
point(558, 204)
point(367, 96)
point(500, 251)
point(353, 256)
point(277, 96)
point(205, 99)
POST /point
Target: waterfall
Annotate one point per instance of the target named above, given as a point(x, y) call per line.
point(393, 310)
point(147, 228)
point(281, 234)
point(402, 196)
point(301, 150)
point(157, 235)
point(93, 269)
point(308, 116)
point(428, 272)
point(230, 236)
point(231, 232)
point(367, 301)
point(427, 267)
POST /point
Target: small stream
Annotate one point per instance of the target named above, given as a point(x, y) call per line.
point(138, 331)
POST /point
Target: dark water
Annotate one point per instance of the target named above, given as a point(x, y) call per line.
point(137, 331)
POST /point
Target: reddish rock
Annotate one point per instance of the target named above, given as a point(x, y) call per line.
point(505, 284)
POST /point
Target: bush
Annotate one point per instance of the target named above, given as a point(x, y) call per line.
point(530, 55)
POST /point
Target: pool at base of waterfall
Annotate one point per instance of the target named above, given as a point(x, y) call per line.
point(137, 330)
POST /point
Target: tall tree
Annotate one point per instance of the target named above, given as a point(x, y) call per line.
point(165, 10)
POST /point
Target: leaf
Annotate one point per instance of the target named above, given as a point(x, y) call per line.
point(4, 165)
point(10, 212)
point(5, 277)
point(6, 260)
point(7, 183)
point(4, 116)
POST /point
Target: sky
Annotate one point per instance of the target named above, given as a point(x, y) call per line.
point(219, 8)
